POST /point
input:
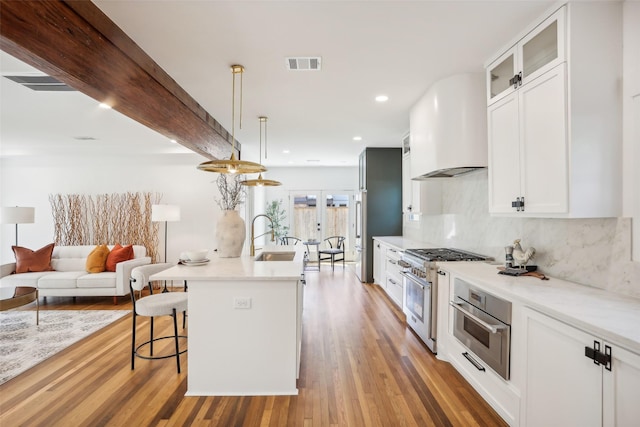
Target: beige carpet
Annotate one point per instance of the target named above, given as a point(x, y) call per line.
point(24, 344)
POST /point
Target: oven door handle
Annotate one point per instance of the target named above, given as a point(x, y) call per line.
point(402, 273)
point(491, 328)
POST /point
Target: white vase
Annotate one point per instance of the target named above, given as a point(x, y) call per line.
point(230, 233)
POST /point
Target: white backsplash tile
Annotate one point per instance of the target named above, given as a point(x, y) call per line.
point(594, 252)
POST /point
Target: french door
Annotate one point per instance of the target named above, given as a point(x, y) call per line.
point(321, 214)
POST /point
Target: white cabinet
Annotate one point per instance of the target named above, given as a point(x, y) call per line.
point(538, 52)
point(565, 386)
point(418, 197)
point(379, 262)
point(393, 284)
point(386, 271)
point(528, 150)
point(555, 133)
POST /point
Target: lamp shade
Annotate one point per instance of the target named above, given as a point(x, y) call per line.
point(165, 213)
point(17, 215)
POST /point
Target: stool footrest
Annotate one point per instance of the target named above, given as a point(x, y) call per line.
point(158, 357)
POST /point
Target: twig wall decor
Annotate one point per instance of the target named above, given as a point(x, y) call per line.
point(106, 219)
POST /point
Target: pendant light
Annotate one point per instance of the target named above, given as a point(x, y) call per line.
point(260, 182)
point(232, 165)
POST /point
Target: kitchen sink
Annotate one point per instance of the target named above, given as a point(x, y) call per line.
point(276, 256)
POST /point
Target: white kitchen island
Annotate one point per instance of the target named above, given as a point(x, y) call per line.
point(245, 324)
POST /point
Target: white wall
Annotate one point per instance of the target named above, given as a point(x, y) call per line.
point(30, 181)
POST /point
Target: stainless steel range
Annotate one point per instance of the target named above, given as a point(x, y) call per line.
point(420, 273)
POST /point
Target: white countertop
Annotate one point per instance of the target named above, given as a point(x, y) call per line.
point(401, 243)
point(241, 268)
point(610, 316)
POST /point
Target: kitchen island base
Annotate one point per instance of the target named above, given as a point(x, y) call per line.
point(242, 338)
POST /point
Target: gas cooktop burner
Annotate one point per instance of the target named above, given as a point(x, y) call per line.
point(445, 254)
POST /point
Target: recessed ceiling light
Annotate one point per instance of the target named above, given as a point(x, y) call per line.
point(105, 106)
point(173, 141)
point(357, 138)
point(286, 151)
point(382, 98)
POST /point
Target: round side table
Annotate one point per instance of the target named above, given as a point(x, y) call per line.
point(19, 296)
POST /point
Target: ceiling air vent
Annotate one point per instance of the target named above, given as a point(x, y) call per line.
point(304, 63)
point(41, 83)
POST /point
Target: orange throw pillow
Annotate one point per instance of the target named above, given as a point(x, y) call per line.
point(31, 261)
point(97, 259)
point(118, 254)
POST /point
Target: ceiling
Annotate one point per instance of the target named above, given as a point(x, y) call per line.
point(396, 48)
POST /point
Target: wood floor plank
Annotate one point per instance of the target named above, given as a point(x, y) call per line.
point(360, 366)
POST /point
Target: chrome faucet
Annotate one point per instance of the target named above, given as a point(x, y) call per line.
point(253, 238)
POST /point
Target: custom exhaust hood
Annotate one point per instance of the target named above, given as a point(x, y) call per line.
point(448, 128)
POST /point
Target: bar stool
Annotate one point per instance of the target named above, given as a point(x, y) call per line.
point(163, 304)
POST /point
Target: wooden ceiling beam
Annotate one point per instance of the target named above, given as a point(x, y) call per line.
point(75, 42)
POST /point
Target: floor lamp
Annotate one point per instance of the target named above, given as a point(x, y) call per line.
point(165, 213)
point(17, 215)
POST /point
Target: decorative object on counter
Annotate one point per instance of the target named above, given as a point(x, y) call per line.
point(196, 255)
point(508, 256)
point(233, 165)
point(17, 215)
point(231, 190)
point(529, 270)
point(278, 216)
point(520, 256)
point(261, 182)
point(230, 234)
point(516, 260)
point(230, 230)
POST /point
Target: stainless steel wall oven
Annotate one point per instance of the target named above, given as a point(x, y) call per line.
point(420, 271)
point(482, 323)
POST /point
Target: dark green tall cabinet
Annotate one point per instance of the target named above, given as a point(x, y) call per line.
point(378, 204)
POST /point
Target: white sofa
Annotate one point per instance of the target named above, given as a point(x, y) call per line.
point(71, 279)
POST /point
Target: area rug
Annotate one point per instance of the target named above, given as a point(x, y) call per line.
point(24, 344)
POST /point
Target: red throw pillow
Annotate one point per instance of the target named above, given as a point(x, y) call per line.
point(31, 261)
point(118, 254)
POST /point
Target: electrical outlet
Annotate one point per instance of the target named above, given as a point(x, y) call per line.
point(242, 302)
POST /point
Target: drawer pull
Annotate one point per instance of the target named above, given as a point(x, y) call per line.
point(473, 361)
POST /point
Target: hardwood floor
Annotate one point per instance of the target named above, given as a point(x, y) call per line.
point(361, 366)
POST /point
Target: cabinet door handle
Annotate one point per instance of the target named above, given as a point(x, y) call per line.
point(516, 80)
point(598, 357)
point(518, 204)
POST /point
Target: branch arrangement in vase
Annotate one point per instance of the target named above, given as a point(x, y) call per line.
point(232, 192)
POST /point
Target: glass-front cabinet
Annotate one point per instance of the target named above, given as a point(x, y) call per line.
point(538, 52)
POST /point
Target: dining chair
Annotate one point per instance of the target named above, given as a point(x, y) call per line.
point(289, 240)
point(334, 251)
point(153, 305)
